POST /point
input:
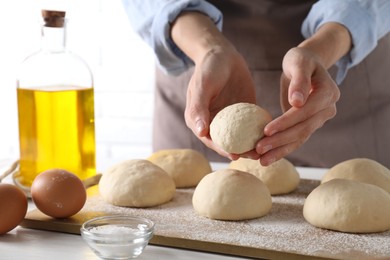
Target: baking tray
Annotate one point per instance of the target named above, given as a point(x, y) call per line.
point(282, 234)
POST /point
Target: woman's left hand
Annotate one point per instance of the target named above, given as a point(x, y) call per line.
point(308, 99)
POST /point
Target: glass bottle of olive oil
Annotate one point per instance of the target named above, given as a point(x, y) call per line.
point(55, 107)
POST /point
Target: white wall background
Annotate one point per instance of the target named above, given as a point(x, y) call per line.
point(123, 68)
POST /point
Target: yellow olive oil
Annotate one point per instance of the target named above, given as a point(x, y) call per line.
point(56, 130)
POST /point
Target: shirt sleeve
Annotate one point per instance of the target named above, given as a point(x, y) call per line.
point(366, 20)
point(151, 19)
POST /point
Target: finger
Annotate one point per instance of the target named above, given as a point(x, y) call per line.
point(197, 115)
point(299, 87)
point(276, 154)
point(281, 144)
point(299, 73)
point(210, 144)
point(251, 155)
point(321, 98)
point(284, 83)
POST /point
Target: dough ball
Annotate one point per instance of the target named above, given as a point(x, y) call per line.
point(348, 206)
point(136, 183)
point(186, 166)
point(281, 177)
point(231, 195)
point(238, 127)
point(360, 169)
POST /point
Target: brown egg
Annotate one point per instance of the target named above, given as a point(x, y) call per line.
point(58, 193)
point(13, 207)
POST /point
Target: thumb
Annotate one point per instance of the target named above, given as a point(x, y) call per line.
point(299, 89)
point(197, 114)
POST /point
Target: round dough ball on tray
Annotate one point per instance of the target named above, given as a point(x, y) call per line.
point(238, 127)
point(360, 169)
point(348, 206)
point(230, 194)
point(136, 183)
point(186, 166)
point(281, 177)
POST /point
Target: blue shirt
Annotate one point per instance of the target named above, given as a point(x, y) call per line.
point(366, 20)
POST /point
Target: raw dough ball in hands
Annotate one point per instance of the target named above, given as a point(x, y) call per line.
point(348, 206)
point(360, 169)
point(136, 183)
point(231, 195)
point(186, 166)
point(238, 127)
point(281, 177)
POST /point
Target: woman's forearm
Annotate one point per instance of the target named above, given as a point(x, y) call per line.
point(331, 42)
point(196, 34)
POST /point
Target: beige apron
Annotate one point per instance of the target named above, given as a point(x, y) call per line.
point(263, 31)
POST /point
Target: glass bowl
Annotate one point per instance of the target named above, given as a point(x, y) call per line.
point(117, 237)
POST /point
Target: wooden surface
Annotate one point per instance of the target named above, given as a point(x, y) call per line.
point(282, 234)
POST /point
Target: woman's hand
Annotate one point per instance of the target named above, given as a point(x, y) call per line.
point(221, 76)
point(308, 100)
point(308, 93)
point(220, 79)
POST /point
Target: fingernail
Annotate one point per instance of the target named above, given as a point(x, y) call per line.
point(266, 149)
point(270, 161)
point(233, 157)
point(297, 97)
point(272, 132)
point(199, 126)
point(251, 156)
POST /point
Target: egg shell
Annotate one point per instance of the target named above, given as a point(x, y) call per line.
point(58, 193)
point(13, 207)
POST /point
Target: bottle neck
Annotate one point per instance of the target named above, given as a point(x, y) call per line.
point(53, 39)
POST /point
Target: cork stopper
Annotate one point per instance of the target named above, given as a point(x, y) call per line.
point(53, 18)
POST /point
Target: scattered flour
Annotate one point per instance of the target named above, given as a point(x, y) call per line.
point(283, 230)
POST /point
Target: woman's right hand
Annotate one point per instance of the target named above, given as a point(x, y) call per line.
point(221, 76)
point(220, 79)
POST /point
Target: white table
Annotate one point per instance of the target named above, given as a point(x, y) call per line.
point(22, 243)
